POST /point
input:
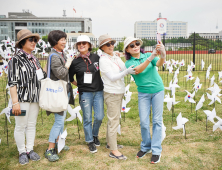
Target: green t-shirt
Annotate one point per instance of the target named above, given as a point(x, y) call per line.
point(149, 81)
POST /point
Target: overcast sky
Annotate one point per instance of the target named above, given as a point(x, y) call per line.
point(117, 17)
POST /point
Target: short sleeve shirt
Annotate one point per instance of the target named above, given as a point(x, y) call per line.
point(149, 81)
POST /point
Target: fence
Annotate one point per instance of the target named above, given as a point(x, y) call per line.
point(193, 48)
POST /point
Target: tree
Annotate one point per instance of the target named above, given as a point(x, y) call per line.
point(45, 38)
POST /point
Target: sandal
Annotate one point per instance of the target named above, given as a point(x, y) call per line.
point(122, 157)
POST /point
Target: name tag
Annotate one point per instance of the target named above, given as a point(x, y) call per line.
point(39, 74)
point(87, 78)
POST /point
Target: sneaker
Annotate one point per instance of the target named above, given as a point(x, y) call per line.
point(92, 147)
point(96, 140)
point(33, 156)
point(141, 154)
point(118, 146)
point(65, 148)
point(51, 155)
point(23, 158)
point(122, 157)
point(155, 159)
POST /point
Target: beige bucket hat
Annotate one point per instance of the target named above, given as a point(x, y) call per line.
point(103, 39)
point(23, 34)
point(128, 40)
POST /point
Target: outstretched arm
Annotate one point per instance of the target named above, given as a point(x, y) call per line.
point(162, 52)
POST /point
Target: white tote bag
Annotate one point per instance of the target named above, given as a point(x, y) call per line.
point(53, 94)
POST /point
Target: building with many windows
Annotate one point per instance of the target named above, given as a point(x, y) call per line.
point(149, 28)
point(42, 25)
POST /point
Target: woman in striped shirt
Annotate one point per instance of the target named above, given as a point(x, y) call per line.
point(23, 78)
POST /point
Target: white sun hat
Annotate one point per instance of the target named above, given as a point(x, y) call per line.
point(128, 40)
point(82, 38)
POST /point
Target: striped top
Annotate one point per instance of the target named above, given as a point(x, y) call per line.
point(22, 73)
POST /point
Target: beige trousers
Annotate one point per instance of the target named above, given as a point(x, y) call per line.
point(114, 106)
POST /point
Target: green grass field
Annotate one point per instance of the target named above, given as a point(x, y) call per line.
point(200, 150)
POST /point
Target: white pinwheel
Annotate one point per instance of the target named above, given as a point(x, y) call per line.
point(220, 74)
point(202, 64)
point(182, 63)
point(176, 73)
point(1, 71)
point(74, 113)
point(7, 110)
point(61, 141)
point(189, 97)
point(36, 50)
point(218, 124)
point(212, 80)
point(189, 68)
point(210, 67)
point(197, 84)
point(210, 115)
point(189, 76)
point(126, 101)
point(75, 92)
point(170, 68)
point(174, 63)
point(192, 65)
point(213, 98)
point(200, 103)
point(170, 101)
point(172, 87)
point(99, 52)
point(215, 89)
point(181, 123)
point(167, 64)
point(208, 74)
point(72, 53)
point(175, 81)
point(6, 42)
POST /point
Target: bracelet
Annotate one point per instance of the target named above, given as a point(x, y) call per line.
point(15, 104)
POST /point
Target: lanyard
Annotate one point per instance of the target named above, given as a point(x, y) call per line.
point(116, 64)
point(86, 65)
point(35, 64)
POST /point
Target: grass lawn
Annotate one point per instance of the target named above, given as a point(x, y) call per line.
point(201, 150)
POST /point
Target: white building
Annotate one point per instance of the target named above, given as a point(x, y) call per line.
point(9, 27)
point(149, 28)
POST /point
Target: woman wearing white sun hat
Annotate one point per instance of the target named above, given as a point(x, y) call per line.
point(150, 91)
point(90, 86)
point(113, 71)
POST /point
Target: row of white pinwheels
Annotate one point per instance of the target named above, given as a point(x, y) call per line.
point(171, 101)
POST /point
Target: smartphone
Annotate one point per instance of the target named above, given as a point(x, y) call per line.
point(158, 37)
point(23, 113)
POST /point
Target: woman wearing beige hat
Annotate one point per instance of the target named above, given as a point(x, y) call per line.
point(23, 78)
point(90, 86)
point(113, 70)
point(150, 92)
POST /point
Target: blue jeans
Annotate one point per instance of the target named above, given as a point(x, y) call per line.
point(145, 101)
point(87, 101)
point(58, 126)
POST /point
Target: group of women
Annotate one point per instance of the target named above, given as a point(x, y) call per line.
point(99, 79)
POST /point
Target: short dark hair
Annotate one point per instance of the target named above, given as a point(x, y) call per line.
point(22, 43)
point(128, 55)
point(54, 36)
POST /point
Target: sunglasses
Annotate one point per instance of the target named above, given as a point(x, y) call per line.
point(31, 39)
point(83, 43)
point(110, 43)
point(133, 45)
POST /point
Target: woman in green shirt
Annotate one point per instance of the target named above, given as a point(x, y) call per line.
point(150, 92)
